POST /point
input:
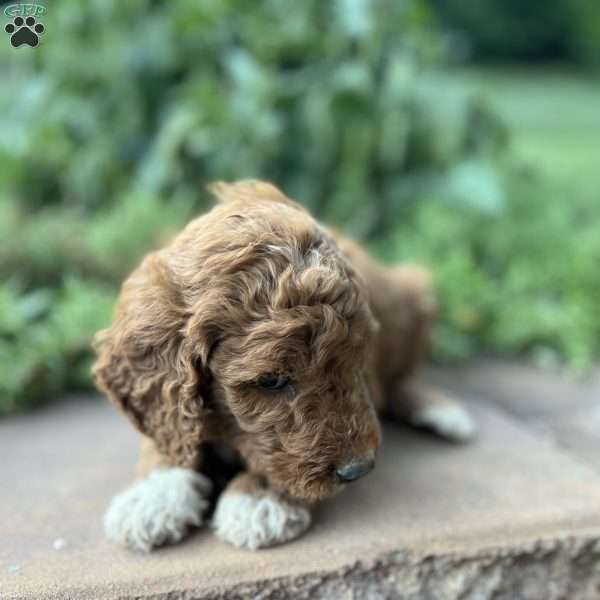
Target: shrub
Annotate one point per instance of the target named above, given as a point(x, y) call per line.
point(519, 278)
point(110, 133)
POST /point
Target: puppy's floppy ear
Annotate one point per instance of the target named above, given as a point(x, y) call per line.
point(245, 190)
point(149, 366)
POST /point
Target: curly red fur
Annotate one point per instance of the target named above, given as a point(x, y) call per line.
point(256, 286)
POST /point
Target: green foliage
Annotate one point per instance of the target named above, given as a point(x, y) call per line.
point(512, 29)
point(110, 133)
point(522, 279)
point(44, 339)
point(327, 99)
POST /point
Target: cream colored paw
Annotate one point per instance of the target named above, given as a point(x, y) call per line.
point(253, 522)
point(158, 510)
point(451, 421)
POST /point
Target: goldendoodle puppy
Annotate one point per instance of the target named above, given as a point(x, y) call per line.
point(261, 333)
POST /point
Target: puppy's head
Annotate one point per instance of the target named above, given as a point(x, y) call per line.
point(251, 327)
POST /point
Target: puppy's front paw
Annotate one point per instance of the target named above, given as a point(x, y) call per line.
point(258, 521)
point(158, 510)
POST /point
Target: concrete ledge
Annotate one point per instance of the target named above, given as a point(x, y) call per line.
point(510, 516)
point(567, 568)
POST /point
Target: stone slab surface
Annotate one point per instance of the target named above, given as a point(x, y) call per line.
point(510, 516)
point(563, 408)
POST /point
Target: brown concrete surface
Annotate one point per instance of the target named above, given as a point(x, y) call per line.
point(510, 516)
point(560, 407)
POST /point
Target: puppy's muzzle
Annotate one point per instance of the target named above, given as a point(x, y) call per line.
point(354, 469)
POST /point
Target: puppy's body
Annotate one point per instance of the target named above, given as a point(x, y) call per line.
point(259, 330)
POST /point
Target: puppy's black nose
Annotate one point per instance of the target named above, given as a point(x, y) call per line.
point(354, 469)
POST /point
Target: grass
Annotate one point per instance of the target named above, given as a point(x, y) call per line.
point(554, 117)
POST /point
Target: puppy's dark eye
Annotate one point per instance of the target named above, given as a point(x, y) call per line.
point(273, 382)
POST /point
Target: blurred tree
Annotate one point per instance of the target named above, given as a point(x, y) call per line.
point(515, 30)
point(324, 98)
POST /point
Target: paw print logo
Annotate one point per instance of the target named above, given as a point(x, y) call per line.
point(24, 31)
